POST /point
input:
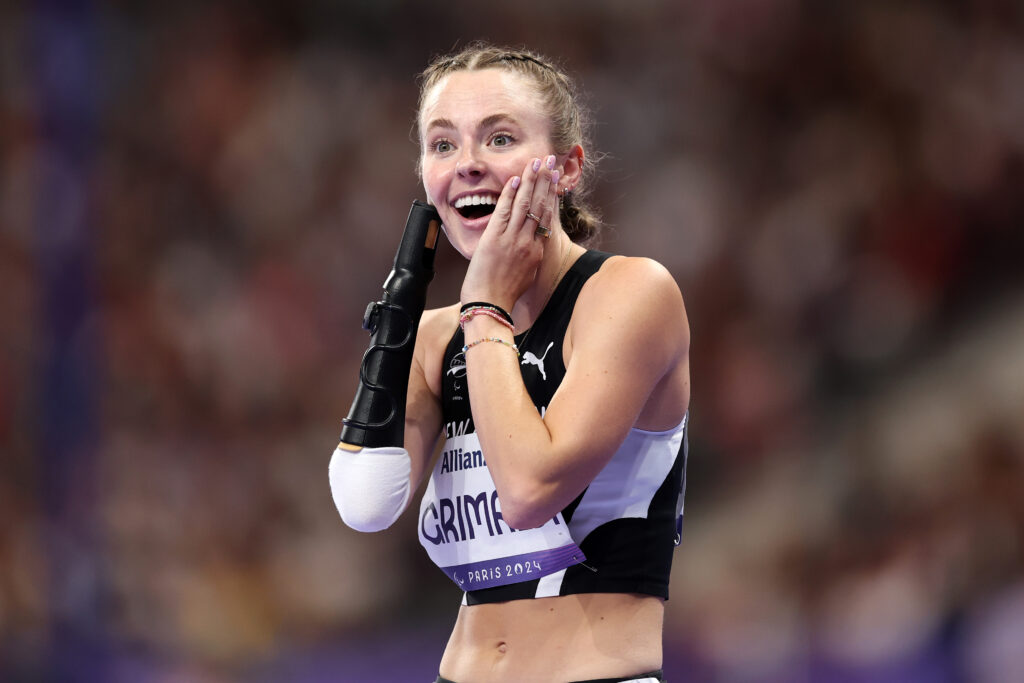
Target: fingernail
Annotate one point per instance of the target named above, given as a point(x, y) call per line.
point(536, 165)
point(515, 182)
point(554, 179)
point(551, 162)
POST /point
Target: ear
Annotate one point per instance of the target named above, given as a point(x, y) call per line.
point(572, 168)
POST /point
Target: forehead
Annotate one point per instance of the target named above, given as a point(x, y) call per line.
point(466, 95)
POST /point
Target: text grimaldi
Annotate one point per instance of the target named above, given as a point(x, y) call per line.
point(463, 516)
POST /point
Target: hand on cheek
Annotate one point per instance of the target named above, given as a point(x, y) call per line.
point(510, 251)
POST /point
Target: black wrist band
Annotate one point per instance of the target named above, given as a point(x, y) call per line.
point(478, 304)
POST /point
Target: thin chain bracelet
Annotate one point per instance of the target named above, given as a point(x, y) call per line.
point(492, 339)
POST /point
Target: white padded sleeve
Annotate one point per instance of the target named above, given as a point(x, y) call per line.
point(370, 487)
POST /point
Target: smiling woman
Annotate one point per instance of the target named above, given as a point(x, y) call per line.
point(559, 384)
point(479, 130)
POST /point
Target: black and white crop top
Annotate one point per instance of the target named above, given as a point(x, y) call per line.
point(618, 536)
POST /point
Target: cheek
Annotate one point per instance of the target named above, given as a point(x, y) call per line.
point(435, 196)
point(515, 165)
point(433, 183)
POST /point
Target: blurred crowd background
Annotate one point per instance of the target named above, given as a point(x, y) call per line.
point(198, 199)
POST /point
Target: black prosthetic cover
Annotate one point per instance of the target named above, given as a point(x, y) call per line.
point(377, 416)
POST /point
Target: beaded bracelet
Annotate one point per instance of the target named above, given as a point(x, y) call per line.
point(490, 312)
point(492, 339)
point(483, 304)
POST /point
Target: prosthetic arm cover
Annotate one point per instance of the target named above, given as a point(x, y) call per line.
point(369, 470)
point(370, 486)
point(377, 416)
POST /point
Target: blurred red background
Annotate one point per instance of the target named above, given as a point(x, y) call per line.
point(197, 200)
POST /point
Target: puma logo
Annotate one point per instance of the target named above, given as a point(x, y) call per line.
point(529, 358)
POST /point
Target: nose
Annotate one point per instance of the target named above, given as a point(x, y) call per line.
point(469, 165)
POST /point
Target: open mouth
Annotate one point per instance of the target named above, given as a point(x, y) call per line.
point(476, 205)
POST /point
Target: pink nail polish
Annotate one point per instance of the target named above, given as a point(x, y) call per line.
point(551, 162)
point(536, 165)
point(515, 182)
point(554, 179)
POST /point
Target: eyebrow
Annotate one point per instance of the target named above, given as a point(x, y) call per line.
point(487, 122)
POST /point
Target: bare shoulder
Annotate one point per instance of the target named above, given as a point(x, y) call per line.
point(437, 325)
point(630, 325)
point(634, 289)
point(637, 271)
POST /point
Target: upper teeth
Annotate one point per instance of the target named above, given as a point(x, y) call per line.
point(474, 199)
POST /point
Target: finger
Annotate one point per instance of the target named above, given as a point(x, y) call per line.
point(519, 222)
point(541, 201)
point(502, 215)
point(547, 218)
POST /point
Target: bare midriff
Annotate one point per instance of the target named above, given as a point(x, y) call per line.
point(554, 640)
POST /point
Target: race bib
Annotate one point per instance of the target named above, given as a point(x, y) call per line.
point(461, 526)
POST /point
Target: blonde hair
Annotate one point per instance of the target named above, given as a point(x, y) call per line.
point(570, 124)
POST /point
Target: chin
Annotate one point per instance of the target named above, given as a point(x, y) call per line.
point(464, 246)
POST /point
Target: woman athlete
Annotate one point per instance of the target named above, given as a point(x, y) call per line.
point(559, 385)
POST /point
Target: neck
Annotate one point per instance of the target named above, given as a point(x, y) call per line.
point(558, 256)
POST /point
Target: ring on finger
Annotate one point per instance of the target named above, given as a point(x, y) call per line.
point(542, 231)
point(536, 218)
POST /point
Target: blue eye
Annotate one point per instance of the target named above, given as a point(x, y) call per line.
point(443, 146)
